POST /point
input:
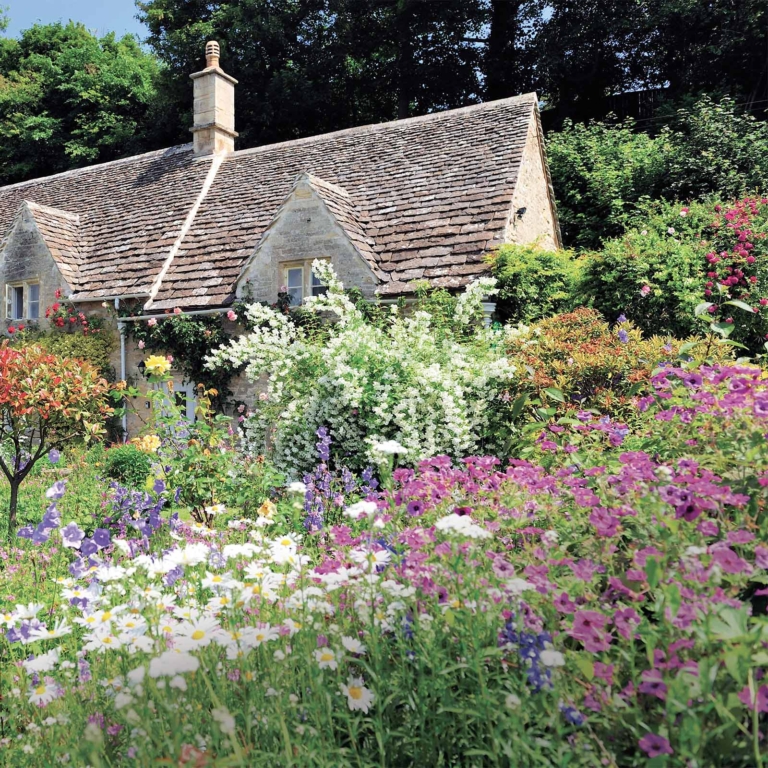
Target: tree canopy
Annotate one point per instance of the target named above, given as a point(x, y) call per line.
point(68, 98)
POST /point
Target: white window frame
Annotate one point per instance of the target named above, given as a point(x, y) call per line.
point(11, 304)
point(310, 286)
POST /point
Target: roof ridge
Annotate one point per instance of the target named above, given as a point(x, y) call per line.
point(319, 181)
point(177, 149)
point(389, 124)
point(50, 209)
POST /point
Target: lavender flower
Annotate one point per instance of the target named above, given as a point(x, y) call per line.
point(54, 456)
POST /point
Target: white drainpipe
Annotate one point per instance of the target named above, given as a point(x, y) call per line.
point(121, 331)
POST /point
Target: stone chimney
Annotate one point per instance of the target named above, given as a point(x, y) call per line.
point(214, 126)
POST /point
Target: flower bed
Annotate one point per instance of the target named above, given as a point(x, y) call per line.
point(608, 610)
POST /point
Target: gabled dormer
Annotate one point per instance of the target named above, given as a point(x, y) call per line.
point(317, 220)
point(39, 254)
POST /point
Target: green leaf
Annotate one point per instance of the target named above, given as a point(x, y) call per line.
point(741, 305)
point(586, 667)
point(688, 346)
point(724, 329)
point(653, 571)
point(518, 405)
point(729, 624)
point(731, 343)
point(702, 308)
point(555, 394)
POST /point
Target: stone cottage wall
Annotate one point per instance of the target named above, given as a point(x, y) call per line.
point(26, 258)
point(538, 223)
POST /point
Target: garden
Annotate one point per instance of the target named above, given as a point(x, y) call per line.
point(428, 541)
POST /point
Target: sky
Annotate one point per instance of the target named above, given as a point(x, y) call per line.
point(101, 16)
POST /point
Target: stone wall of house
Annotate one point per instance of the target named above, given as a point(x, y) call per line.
point(537, 224)
point(26, 258)
point(304, 230)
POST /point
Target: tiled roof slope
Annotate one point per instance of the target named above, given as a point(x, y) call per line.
point(130, 213)
point(61, 232)
point(424, 198)
point(348, 216)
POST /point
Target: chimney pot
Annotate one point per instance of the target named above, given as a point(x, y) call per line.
point(214, 113)
point(212, 53)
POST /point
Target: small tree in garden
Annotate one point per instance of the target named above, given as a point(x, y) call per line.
point(45, 403)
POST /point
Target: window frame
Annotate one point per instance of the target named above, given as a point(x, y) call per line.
point(308, 285)
point(12, 301)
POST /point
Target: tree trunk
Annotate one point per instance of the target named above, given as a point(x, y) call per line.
point(12, 507)
point(405, 75)
point(500, 68)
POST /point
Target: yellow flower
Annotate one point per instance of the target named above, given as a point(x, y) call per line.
point(157, 365)
point(267, 509)
point(148, 443)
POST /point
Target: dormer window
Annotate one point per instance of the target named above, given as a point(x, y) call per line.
point(22, 301)
point(300, 281)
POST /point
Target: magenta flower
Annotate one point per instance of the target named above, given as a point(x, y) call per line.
point(758, 701)
point(653, 684)
point(605, 523)
point(654, 745)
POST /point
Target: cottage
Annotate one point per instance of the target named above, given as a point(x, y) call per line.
point(189, 227)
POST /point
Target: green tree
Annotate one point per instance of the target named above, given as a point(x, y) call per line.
point(309, 66)
point(68, 98)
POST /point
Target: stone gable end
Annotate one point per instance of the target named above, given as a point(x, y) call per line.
point(26, 258)
point(533, 193)
point(304, 229)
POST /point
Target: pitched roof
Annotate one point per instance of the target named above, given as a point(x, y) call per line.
point(424, 197)
point(61, 232)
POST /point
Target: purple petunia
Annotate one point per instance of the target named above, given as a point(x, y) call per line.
point(654, 745)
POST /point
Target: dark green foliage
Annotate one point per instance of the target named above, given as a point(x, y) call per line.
point(604, 175)
point(671, 264)
point(68, 98)
point(311, 66)
point(94, 348)
point(189, 339)
point(128, 465)
point(533, 283)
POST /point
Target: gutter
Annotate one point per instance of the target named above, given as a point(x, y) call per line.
point(166, 315)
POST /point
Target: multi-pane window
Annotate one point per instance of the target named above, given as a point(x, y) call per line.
point(294, 281)
point(318, 289)
point(33, 301)
point(300, 281)
point(22, 302)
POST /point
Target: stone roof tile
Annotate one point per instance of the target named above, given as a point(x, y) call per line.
point(419, 196)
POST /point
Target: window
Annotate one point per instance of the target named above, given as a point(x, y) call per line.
point(33, 302)
point(22, 301)
point(318, 289)
point(294, 280)
point(300, 281)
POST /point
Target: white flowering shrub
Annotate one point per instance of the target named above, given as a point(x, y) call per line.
point(434, 389)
